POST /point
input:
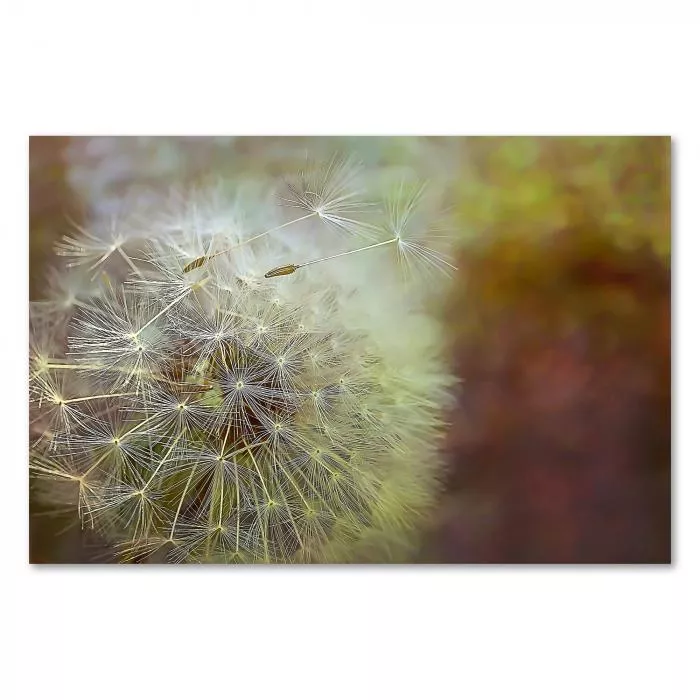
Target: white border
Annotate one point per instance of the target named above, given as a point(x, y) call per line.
point(380, 68)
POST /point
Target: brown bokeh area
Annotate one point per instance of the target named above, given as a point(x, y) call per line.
point(53, 537)
point(50, 202)
point(560, 446)
point(560, 443)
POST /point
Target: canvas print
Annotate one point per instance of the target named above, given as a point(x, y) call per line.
point(350, 350)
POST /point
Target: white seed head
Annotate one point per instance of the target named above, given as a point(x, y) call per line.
point(205, 412)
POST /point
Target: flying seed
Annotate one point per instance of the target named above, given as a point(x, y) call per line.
point(198, 262)
point(283, 270)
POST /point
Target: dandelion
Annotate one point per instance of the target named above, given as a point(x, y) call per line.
point(213, 402)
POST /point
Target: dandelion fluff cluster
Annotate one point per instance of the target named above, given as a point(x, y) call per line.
point(247, 373)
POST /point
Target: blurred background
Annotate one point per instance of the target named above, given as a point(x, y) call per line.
point(559, 324)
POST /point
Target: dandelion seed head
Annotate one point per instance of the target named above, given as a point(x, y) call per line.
point(203, 412)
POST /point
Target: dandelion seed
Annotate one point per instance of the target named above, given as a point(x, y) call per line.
point(420, 242)
point(94, 249)
point(331, 192)
point(124, 336)
point(283, 270)
point(197, 262)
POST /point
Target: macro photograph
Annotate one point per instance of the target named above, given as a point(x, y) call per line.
point(418, 350)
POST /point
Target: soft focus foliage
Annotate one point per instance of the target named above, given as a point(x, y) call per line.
point(531, 187)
